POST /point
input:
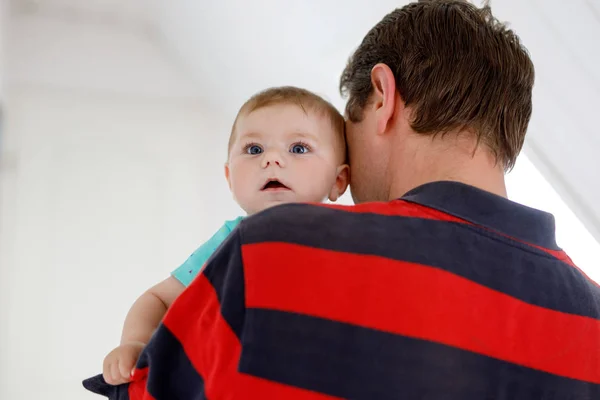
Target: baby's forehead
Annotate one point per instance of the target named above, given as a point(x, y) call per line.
point(296, 110)
point(282, 119)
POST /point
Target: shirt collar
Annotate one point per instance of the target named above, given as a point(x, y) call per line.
point(489, 210)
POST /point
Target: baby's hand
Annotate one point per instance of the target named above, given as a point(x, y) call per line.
point(119, 363)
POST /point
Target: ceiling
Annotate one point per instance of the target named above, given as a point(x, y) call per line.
point(220, 52)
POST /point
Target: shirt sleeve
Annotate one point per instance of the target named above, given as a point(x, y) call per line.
point(187, 271)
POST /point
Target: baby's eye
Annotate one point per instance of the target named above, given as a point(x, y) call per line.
point(253, 149)
point(299, 148)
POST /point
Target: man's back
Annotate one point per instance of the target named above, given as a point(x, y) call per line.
point(449, 293)
point(386, 298)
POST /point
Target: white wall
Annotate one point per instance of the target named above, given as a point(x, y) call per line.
point(106, 195)
point(110, 176)
point(82, 52)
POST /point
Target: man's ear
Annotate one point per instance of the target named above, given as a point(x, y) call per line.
point(341, 182)
point(227, 175)
point(384, 95)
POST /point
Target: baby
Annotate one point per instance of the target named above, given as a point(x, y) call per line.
point(286, 145)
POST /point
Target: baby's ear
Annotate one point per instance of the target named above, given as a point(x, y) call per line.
point(341, 182)
point(227, 175)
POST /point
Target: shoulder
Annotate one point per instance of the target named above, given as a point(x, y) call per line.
point(297, 222)
point(303, 214)
point(297, 214)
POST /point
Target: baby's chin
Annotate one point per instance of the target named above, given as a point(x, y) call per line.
point(268, 204)
point(277, 202)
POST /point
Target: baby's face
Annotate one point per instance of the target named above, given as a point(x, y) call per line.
point(280, 154)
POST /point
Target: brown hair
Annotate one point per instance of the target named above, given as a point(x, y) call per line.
point(455, 66)
point(303, 98)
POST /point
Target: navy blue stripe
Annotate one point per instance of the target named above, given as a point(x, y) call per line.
point(224, 270)
point(98, 385)
point(474, 253)
point(359, 363)
point(171, 374)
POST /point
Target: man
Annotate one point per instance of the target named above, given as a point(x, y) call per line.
point(450, 292)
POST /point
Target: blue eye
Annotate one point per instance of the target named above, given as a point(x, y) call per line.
point(299, 148)
point(253, 149)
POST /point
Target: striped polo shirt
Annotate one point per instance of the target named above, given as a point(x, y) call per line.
point(447, 293)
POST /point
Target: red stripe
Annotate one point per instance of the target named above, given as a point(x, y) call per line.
point(422, 302)
point(398, 208)
point(137, 387)
point(214, 350)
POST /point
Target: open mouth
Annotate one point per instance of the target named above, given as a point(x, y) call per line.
point(274, 184)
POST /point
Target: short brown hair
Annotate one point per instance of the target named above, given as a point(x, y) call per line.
point(456, 66)
point(303, 98)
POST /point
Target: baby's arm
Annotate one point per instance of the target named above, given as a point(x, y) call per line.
point(149, 309)
point(141, 321)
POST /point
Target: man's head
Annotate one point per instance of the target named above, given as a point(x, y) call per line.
point(434, 69)
point(287, 145)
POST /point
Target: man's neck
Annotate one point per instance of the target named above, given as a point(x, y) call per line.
point(452, 161)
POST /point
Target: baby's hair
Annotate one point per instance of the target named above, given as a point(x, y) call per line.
point(305, 99)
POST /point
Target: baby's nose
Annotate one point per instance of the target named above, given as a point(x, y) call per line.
point(273, 158)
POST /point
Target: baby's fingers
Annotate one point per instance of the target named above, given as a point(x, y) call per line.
point(126, 364)
point(115, 373)
point(106, 370)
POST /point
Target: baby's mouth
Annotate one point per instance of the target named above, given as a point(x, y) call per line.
point(274, 184)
